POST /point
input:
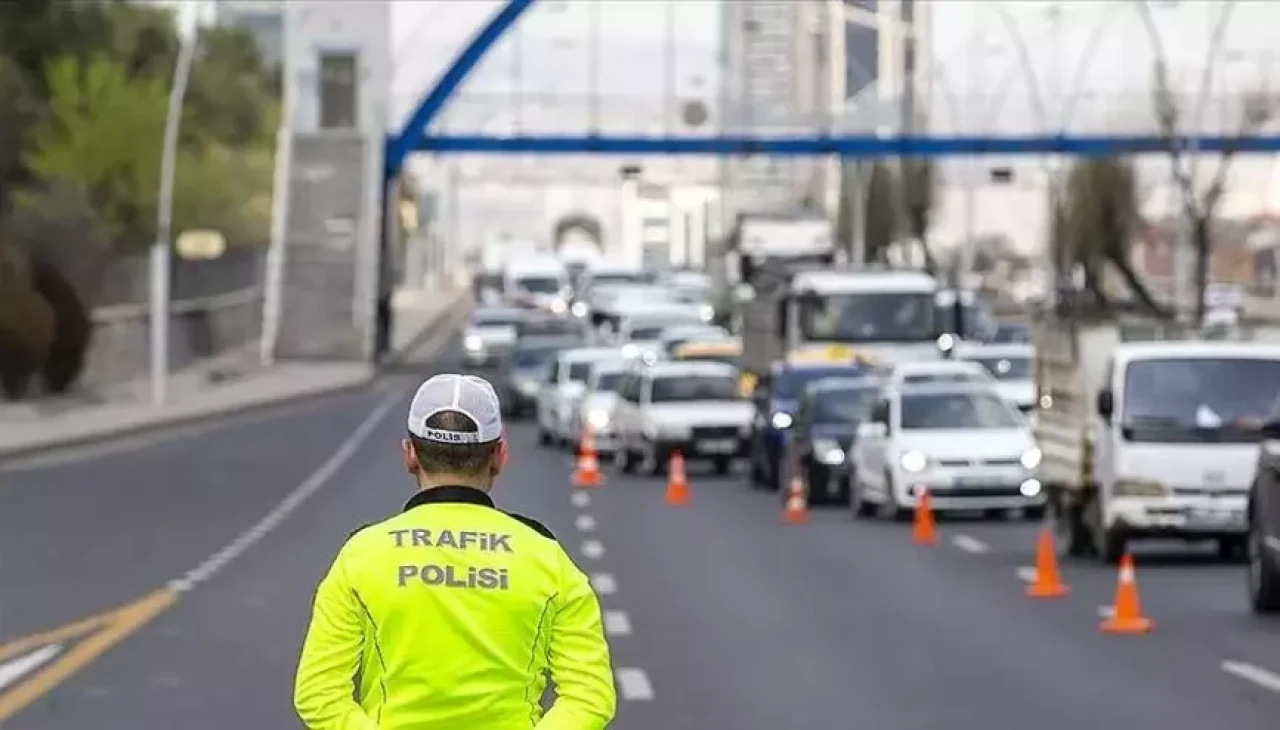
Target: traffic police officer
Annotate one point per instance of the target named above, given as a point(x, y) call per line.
point(451, 613)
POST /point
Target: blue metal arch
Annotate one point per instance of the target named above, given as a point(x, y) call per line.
point(410, 138)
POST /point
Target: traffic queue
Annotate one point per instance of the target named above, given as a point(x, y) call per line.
point(1069, 429)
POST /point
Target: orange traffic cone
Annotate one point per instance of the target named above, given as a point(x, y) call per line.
point(1126, 615)
point(925, 530)
point(677, 481)
point(1048, 582)
point(588, 473)
point(796, 511)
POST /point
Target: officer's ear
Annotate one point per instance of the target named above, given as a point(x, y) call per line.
point(410, 456)
point(500, 455)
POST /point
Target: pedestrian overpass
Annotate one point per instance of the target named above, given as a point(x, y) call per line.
point(877, 123)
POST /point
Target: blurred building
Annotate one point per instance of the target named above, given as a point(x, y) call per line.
point(263, 18)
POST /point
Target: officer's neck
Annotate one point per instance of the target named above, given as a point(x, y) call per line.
point(432, 481)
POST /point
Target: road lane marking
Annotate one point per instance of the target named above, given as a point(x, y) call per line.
point(580, 499)
point(1106, 611)
point(633, 684)
point(604, 584)
point(15, 669)
point(617, 623)
point(593, 549)
point(98, 634)
point(295, 499)
point(1026, 574)
point(585, 523)
point(107, 629)
point(1264, 678)
point(969, 544)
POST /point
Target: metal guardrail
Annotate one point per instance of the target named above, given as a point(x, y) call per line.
point(124, 312)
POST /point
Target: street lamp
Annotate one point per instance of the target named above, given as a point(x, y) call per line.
point(161, 254)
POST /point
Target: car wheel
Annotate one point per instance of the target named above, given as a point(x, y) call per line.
point(859, 507)
point(1264, 574)
point(1233, 548)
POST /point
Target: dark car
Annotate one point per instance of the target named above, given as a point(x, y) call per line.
point(776, 397)
point(826, 423)
point(524, 372)
point(549, 326)
point(1264, 523)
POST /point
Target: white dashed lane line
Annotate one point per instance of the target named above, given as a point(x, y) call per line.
point(604, 584)
point(585, 523)
point(617, 623)
point(1026, 574)
point(634, 685)
point(969, 544)
point(580, 499)
point(1264, 678)
point(592, 549)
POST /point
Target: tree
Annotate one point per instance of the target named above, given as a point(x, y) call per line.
point(1200, 195)
point(103, 132)
point(18, 114)
point(881, 219)
point(1097, 222)
point(918, 188)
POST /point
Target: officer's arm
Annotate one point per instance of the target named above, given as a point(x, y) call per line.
point(579, 658)
point(324, 691)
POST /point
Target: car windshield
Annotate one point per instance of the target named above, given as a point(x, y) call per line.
point(1006, 368)
point(694, 388)
point(957, 411)
point(842, 405)
point(539, 284)
point(1012, 333)
point(727, 359)
point(533, 357)
point(608, 382)
point(689, 294)
point(789, 384)
point(550, 327)
point(942, 377)
point(977, 322)
point(1197, 399)
point(621, 277)
point(646, 334)
point(579, 371)
point(496, 319)
point(869, 317)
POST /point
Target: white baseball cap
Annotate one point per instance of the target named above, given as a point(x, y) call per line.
point(467, 395)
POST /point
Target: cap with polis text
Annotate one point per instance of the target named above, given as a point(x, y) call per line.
point(473, 398)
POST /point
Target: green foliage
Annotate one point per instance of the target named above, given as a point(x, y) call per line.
point(882, 219)
point(89, 103)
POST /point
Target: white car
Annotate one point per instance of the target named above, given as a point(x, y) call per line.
point(559, 394)
point(491, 334)
point(676, 335)
point(595, 409)
point(961, 442)
point(1013, 368)
point(641, 331)
point(690, 407)
point(919, 372)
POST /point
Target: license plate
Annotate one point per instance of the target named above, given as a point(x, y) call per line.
point(1218, 516)
point(719, 446)
point(977, 482)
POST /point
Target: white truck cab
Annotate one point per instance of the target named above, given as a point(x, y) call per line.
point(1150, 439)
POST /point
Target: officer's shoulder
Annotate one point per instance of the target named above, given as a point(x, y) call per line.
point(354, 534)
point(532, 524)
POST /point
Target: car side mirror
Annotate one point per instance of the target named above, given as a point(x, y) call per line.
point(1106, 404)
point(1270, 431)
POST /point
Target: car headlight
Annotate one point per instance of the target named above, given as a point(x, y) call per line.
point(1030, 488)
point(913, 461)
point(1031, 458)
point(828, 452)
point(1138, 488)
point(781, 421)
point(473, 343)
point(707, 312)
point(558, 306)
point(598, 418)
point(579, 309)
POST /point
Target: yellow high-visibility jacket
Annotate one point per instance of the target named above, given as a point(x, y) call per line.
point(448, 616)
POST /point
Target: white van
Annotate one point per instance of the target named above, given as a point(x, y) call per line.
point(540, 281)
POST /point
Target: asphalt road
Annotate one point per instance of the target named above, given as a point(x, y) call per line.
point(721, 617)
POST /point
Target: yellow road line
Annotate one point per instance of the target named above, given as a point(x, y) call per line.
point(105, 631)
